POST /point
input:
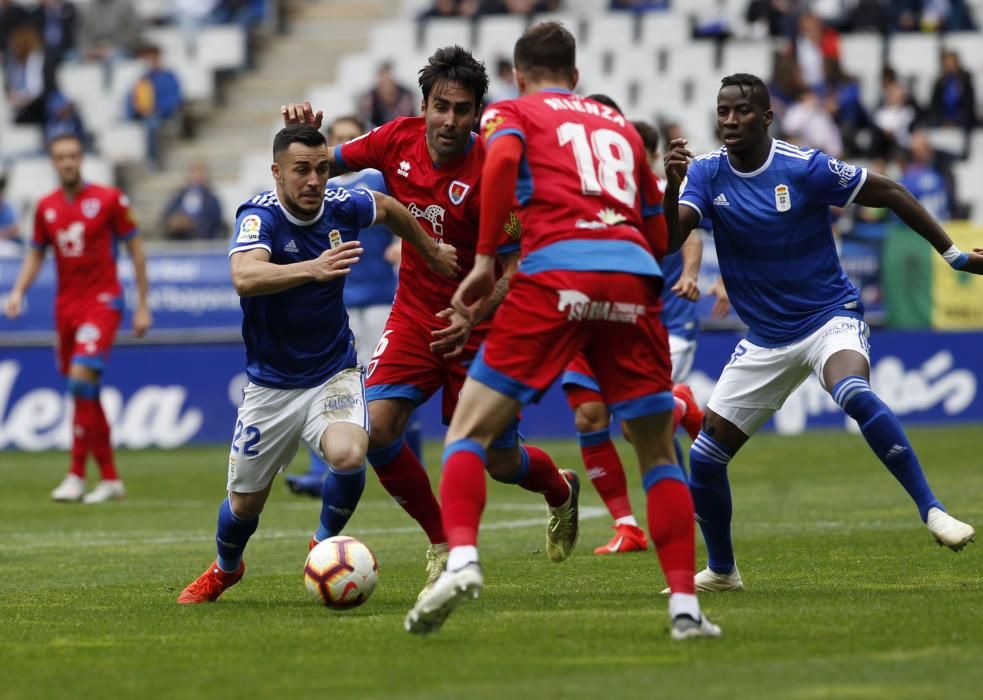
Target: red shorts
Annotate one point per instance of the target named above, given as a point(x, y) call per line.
point(579, 383)
point(84, 335)
point(612, 317)
point(403, 366)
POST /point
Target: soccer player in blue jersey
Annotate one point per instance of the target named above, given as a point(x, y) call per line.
point(289, 257)
point(369, 290)
point(769, 204)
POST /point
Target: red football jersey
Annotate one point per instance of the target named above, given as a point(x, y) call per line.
point(444, 198)
point(584, 183)
point(84, 232)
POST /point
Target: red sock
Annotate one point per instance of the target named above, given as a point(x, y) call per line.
point(101, 444)
point(670, 516)
point(678, 411)
point(82, 427)
point(462, 497)
point(407, 482)
point(544, 477)
point(607, 474)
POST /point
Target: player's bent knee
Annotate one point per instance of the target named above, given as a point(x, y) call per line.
point(347, 460)
point(591, 417)
point(504, 465)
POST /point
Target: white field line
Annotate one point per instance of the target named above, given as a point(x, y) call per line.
point(26, 541)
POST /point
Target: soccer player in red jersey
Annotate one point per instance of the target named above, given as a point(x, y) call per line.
point(592, 229)
point(433, 165)
point(84, 222)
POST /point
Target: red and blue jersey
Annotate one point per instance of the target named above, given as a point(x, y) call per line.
point(84, 232)
point(443, 197)
point(576, 145)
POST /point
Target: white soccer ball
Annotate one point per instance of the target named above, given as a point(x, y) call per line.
point(341, 572)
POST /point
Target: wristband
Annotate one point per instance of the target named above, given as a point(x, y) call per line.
point(956, 258)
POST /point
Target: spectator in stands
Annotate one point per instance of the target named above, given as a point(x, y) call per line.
point(506, 7)
point(27, 76)
point(55, 20)
point(109, 28)
point(11, 245)
point(953, 97)
point(61, 117)
point(503, 85)
point(245, 12)
point(786, 80)
point(770, 17)
point(12, 16)
point(808, 123)
point(815, 42)
point(190, 15)
point(894, 119)
point(639, 5)
point(441, 8)
point(194, 212)
point(386, 100)
point(154, 99)
point(871, 16)
point(928, 176)
point(842, 95)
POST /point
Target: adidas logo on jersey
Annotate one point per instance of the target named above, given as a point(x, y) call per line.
point(404, 168)
point(721, 200)
point(291, 247)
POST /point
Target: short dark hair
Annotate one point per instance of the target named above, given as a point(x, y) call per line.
point(605, 100)
point(306, 134)
point(454, 64)
point(756, 87)
point(650, 137)
point(546, 49)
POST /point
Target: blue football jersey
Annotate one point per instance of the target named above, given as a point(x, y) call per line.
point(774, 240)
point(373, 281)
point(299, 337)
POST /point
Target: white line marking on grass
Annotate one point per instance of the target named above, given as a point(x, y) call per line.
point(34, 540)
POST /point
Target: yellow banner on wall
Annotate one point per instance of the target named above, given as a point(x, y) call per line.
point(958, 296)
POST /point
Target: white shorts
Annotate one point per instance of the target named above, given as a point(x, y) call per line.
point(757, 381)
point(681, 353)
point(368, 323)
point(271, 423)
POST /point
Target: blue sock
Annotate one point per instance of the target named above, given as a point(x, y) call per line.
point(317, 466)
point(414, 437)
point(339, 497)
point(679, 454)
point(710, 487)
point(231, 536)
point(886, 437)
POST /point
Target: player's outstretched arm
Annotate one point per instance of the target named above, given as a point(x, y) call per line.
point(440, 257)
point(692, 252)
point(721, 307)
point(253, 274)
point(679, 220)
point(879, 191)
point(25, 278)
point(142, 319)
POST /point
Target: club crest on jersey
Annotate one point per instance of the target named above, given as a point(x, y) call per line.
point(50, 215)
point(783, 199)
point(249, 229)
point(334, 238)
point(90, 208)
point(458, 191)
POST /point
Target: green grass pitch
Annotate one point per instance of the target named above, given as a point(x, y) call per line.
point(847, 595)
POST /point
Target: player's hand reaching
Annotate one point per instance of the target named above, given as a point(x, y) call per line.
point(449, 342)
point(13, 305)
point(677, 161)
point(472, 295)
point(721, 307)
point(301, 113)
point(686, 288)
point(336, 262)
point(443, 261)
point(974, 262)
point(142, 321)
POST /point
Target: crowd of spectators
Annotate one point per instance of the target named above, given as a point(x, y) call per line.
point(475, 8)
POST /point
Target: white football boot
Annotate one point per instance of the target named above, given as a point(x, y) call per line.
point(685, 627)
point(71, 489)
point(451, 588)
point(709, 581)
point(105, 490)
point(948, 531)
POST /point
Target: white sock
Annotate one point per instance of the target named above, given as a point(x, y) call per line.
point(461, 556)
point(627, 520)
point(684, 604)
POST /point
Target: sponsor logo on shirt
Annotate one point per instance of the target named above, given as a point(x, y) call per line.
point(605, 217)
point(721, 200)
point(783, 198)
point(458, 191)
point(404, 168)
point(580, 307)
point(433, 213)
point(90, 208)
point(249, 229)
point(291, 246)
point(490, 121)
point(845, 171)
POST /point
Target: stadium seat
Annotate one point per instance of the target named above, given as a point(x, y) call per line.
point(122, 142)
point(861, 55)
point(586, 8)
point(610, 31)
point(125, 75)
point(949, 139)
point(969, 46)
point(172, 42)
point(197, 81)
point(665, 29)
point(386, 38)
point(695, 60)
point(496, 35)
point(17, 140)
point(753, 57)
point(447, 32)
point(916, 58)
point(222, 47)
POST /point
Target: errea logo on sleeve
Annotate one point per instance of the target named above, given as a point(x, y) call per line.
point(249, 229)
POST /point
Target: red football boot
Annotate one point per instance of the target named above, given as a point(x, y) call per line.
point(627, 538)
point(692, 419)
point(211, 584)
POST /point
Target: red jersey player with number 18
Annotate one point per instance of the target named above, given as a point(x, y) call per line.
point(84, 222)
point(589, 281)
point(433, 165)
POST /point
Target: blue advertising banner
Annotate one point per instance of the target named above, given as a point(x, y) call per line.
point(169, 395)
